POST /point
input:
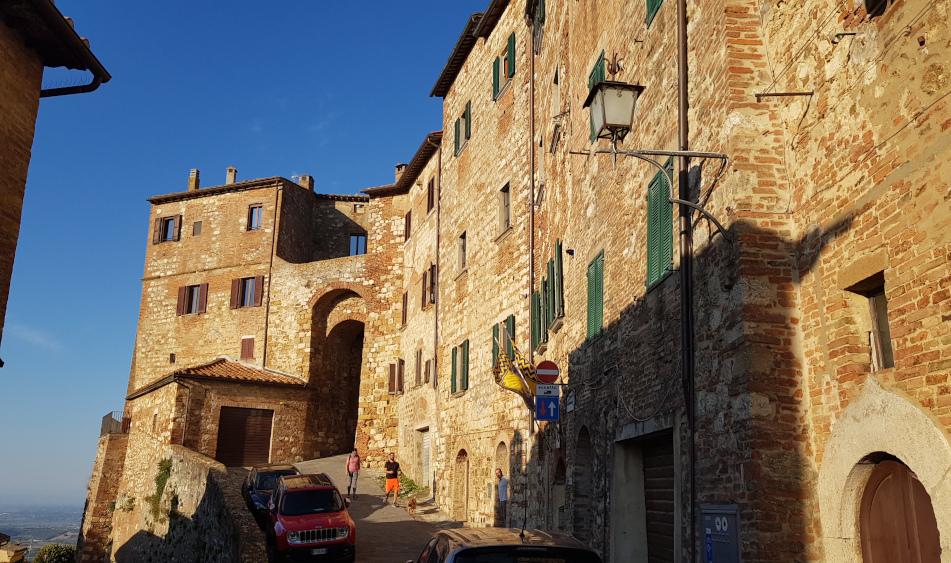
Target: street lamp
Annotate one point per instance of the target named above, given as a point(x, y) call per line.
point(612, 108)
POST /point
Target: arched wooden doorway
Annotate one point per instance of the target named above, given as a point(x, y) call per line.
point(501, 462)
point(460, 487)
point(896, 519)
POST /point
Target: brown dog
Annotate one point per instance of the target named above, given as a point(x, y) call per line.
point(411, 506)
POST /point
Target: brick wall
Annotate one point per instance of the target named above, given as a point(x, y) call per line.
point(20, 77)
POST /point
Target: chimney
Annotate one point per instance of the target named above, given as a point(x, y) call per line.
point(307, 181)
point(399, 171)
point(193, 180)
point(232, 175)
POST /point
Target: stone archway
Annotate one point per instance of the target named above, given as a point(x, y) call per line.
point(460, 487)
point(501, 462)
point(879, 421)
point(333, 370)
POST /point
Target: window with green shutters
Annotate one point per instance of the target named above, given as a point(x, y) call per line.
point(537, 327)
point(597, 75)
point(495, 343)
point(559, 286)
point(463, 128)
point(652, 7)
point(503, 68)
point(510, 325)
point(660, 227)
point(596, 296)
point(464, 372)
point(455, 370)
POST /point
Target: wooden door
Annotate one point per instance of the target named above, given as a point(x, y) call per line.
point(244, 436)
point(896, 519)
point(658, 456)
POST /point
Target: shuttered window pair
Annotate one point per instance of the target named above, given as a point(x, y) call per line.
point(460, 367)
point(247, 292)
point(463, 128)
point(255, 213)
point(247, 348)
point(597, 75)
point(596, 296)
point(167, 229)
point(660, 227)
point(429, 286)
point(503, 68)
point(396, 377)
point(548, 304)
point(192, 299)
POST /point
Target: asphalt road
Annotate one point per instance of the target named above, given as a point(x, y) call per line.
point(385, 533)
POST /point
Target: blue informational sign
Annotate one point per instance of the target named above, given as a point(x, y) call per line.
point(709, 546)
point(546, 408)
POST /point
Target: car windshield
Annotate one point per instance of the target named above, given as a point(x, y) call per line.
point(267, 481)
point(526, 554)
point(298, 503)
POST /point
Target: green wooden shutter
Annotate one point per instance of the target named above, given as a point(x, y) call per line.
point(465, 364)
point(510, 325)
point(510, 71)
point(468, 120)
point(596, 295)
point(652, 7)
point(454, 369)
point(667, 221)
point(551, 291)
point(559, 282)
point(660, 226)
point(495, 78)
point(540, 11)
point(599, 313)
point(653, 232)
point(456, 151)
point(591, 267)
point(495, 344)
point(536, 320)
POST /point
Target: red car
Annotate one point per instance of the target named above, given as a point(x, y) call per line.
point(308, 520)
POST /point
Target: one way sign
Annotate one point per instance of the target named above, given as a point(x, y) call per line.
point(546, 408)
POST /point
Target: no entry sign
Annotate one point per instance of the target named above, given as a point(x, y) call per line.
point(548, 372)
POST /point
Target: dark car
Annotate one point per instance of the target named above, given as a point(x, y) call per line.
point(504, 545)
point(259, 485)
point(308, 521)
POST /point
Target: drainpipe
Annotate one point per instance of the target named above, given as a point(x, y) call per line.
point(531, 184)
point(686, 269)
point(270, 266)
point(435, 421)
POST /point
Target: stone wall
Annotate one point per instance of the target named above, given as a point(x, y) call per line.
point(20, 78)
point(95, 540)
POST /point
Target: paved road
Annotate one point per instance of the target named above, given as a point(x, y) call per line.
point(385, 533)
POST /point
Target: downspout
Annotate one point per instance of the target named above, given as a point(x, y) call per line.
point(531, 181)
point(686, 270)
point(270, 266)
point(436, 298)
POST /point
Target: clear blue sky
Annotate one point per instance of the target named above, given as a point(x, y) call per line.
point(337, 90)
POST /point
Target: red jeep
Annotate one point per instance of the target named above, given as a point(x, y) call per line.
point(308, 520)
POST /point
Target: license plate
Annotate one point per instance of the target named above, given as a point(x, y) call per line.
point(319, 551)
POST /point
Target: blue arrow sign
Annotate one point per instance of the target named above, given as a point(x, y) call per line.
point(546, 408)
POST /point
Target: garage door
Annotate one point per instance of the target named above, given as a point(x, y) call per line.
point(244, 436)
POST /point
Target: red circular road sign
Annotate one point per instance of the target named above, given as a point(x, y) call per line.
point(547, 371)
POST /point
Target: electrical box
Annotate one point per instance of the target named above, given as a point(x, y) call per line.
point(721, 533)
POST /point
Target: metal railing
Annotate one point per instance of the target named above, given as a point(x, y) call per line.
point(115, 423)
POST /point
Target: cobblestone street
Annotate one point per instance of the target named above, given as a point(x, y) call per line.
point(385, 533)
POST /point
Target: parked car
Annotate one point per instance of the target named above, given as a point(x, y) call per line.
point(259, 485)
point(308, 520)
point(504, 545)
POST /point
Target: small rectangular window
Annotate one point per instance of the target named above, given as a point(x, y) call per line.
point(431, 195)
point(247, 348)
point(395, 386)
point(874, 320)
point(358, 244)
point(247, 292)
point(254, 216)
point(171, 358)
point(167, 229)
point(196, 229)
point(359, 208)
point(419, 366)
point(408, 225)
point(461, 253)
point(503, 68)
point(505, 208)
point(405, 308)
point(429, 367)
point(192, 299)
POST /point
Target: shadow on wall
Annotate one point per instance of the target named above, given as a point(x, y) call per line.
point(210, 533)
point(313, 229)
point(626, 386)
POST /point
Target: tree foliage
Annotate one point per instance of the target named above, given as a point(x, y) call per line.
point(56, 553)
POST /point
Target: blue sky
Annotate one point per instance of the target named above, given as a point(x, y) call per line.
point(336, 90)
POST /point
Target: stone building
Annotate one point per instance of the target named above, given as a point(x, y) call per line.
point(33, 35)
point(818, 413)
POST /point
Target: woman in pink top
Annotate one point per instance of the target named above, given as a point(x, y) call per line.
point(353, 471)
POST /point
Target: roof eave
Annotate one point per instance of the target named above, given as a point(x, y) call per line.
point(415, 167)
point(492, 16)
point(456, 58)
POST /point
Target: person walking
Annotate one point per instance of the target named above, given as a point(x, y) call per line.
point(353, 472)
point(503, 495)
point(393, 473)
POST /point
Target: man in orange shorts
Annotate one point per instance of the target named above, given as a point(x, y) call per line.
point(393, 473)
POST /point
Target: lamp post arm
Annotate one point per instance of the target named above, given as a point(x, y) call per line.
point(643, 155)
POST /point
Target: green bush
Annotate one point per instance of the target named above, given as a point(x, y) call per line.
point(56, 553)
